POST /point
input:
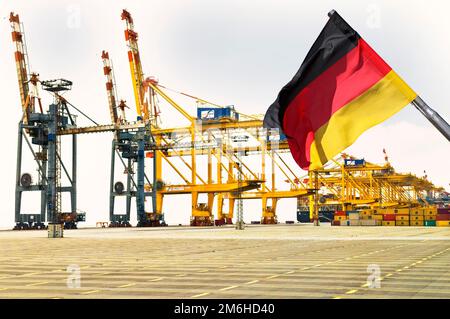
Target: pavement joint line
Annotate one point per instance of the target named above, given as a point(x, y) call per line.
point(37, 284)
point(252, 282)
point(3, 289)
point(273, 276)
point(351, 291)
point(289, 272)
point(30, 274)
point(155, 279)
point(200, 295)
point(408, 267)
point(127, 285)
point(89, 292)
point(204, 270)
point(228, 288)
point(181, 275)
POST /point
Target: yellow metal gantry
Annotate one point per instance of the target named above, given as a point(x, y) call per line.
point(353, 186)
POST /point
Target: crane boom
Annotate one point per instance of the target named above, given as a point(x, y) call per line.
point(28, 87)
point(137, 75)
point(110, 87)
point(20, 54)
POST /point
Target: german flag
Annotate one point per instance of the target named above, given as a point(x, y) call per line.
point(342, 88)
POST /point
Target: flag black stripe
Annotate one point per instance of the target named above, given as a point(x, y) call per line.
point(335, 41)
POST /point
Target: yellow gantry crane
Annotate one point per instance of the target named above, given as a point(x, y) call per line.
point(213, 140)
point(355, 183)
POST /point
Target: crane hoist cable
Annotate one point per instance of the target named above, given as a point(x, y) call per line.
point(77, 109)
point(203, 101)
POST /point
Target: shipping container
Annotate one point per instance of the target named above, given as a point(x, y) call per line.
point(388, 223)
point(443, 217)
point(354, 162)
point(353, 222)
point(401, 217)
point(402, 223)
point(443, 210)
point(389, 217)
point(431, 210)
point(429, 223)
point(217, 114)
point(416, 223)
point(369, 222)
point(443, 223)
point(401, 211)
point(324, 216)
point(416, 212)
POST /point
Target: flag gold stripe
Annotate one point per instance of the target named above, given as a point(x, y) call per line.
point(382, 100)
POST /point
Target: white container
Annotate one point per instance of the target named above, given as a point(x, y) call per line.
point(368, 222)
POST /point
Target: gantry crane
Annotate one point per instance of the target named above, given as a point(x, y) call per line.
point(356, 182)
point(231, 178)
point(44, 145)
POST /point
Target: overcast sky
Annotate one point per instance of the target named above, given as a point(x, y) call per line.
point(229, 52)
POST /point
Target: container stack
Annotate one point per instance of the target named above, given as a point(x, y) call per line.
point(340, 218)
point(388, 217)
point(402, 216)
point(353, 217)
point(443, 217)
point(370, 217)
point(429, 216)
point(416, 216)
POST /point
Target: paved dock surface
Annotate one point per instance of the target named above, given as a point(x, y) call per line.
point(282, 261)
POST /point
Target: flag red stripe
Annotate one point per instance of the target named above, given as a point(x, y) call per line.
point(345, 80)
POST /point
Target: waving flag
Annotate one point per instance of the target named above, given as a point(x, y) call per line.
point(342, 88)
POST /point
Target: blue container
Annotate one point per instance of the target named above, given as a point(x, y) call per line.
point(215, 114)
point(324, 216)
point(354, 162)
point(281, 138)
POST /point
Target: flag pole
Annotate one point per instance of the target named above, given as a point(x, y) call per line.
point(439, 123)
